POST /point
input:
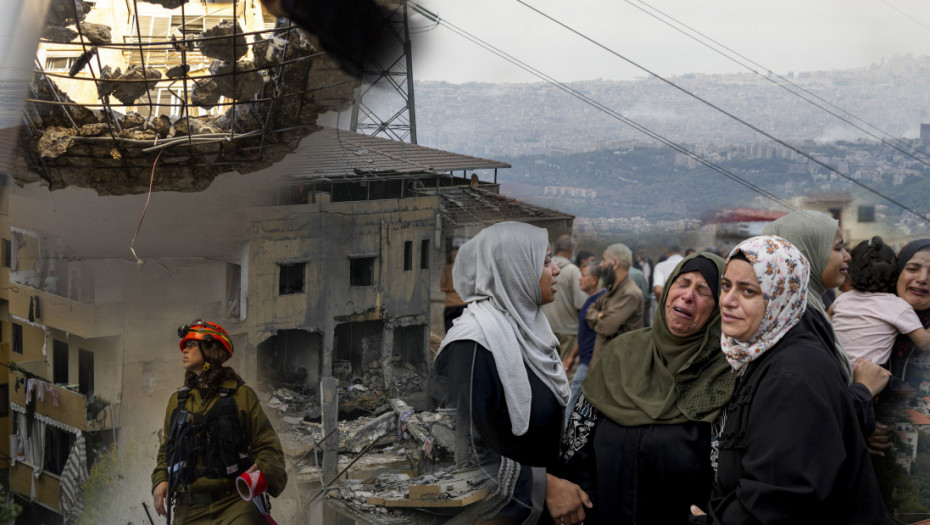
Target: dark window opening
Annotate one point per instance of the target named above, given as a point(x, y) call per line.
point(233, 289)
point(866, 213)
point(5, 400)
point(57, 447)
point(408, 256)
point(60, 362)
point(7, 253)
point(357, 345)
point(17, 338)
point(86, 372)
point(424, 254)
point(409, 344)
point(362, 271)
point(292, 278)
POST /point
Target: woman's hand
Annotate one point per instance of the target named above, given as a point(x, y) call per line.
point(880, 440)
point(696, 511)
point(565, 500)
point(161, 494)
point(871, 375)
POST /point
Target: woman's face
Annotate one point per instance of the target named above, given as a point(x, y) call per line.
point(834, 273)
point(914, 282)
point(548, 282)
point(193, 357)
point(689, 304)
point(742, 307)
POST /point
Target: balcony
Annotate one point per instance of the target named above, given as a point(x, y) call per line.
point(48, 486)
point(71, 409)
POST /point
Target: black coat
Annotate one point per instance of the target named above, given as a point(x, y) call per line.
point(464, 368)
point(643, 474)
point(791, 449)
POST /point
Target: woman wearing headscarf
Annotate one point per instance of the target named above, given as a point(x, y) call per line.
point(639, 439)
point(818, 237)
point(790, 449)
point(913, 285)
point(500, 367)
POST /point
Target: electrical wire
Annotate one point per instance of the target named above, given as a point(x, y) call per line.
point(889, 4)
point(836, 111)
point(601, 107)
point(719, 109)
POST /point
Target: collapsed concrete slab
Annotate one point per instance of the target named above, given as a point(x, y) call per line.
point(67, 12)
point(138, 84)
point(59, 34)
point(220, 43)
point(96, 33)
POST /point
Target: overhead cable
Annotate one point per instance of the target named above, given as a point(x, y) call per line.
point(713, 106)
point(836, 111)
point(601, 107)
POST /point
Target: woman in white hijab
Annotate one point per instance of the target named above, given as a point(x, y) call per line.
point(499, 365)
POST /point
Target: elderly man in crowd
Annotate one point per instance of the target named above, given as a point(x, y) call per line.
point(620, 309)
point(563, 312)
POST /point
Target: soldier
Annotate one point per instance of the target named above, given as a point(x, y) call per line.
point(214, 431)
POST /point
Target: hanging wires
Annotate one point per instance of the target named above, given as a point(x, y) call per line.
point(710, 104)
point(601, 107)
point(795, 89)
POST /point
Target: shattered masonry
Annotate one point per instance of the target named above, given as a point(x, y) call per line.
point(221, 94)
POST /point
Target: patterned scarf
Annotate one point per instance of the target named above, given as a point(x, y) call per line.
point(783, 274)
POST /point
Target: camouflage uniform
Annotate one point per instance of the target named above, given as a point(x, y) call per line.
point(215, 500)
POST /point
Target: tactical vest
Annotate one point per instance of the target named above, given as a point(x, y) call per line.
point(209, 445)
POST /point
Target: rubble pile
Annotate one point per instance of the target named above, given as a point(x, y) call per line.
point(444, 492)
point(393, 434)
point(270, 85)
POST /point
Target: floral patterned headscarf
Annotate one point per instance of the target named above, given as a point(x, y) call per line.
point(783, 274)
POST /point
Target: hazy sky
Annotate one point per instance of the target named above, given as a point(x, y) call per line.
point(783, 35)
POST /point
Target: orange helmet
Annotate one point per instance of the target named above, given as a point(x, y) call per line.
point(205, 331)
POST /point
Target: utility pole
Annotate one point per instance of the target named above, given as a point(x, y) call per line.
point(391, 90)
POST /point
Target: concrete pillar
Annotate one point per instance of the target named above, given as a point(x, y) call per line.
point(387, 354)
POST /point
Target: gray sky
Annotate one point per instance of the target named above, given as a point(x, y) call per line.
point(783, 35)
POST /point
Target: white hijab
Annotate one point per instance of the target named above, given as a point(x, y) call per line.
point(497, 273)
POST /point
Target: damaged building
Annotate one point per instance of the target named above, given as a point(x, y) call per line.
point(319, 267)
point(201, 87)
point(318, 249)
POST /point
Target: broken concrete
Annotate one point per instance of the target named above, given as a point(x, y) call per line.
point(226, 49)
point(135, 84)
point(241, 83)
point(59, 34)
point(55, 141)
point(178, 71)
point(67, 12)
point(96, 33)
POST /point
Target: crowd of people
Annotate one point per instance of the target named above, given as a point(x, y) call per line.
point(743, 398)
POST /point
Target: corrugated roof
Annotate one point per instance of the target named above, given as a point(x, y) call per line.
point(461, 205)
point(334, 153)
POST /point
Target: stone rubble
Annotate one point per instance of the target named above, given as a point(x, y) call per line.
point(81, 150)
point(225, 49)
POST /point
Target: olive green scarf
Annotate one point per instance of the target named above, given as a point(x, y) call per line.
point(653, 377)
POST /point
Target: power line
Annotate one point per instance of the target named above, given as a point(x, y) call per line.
point(889, 4)
point(783, 79)
point(597, 105)
point(727, 113)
